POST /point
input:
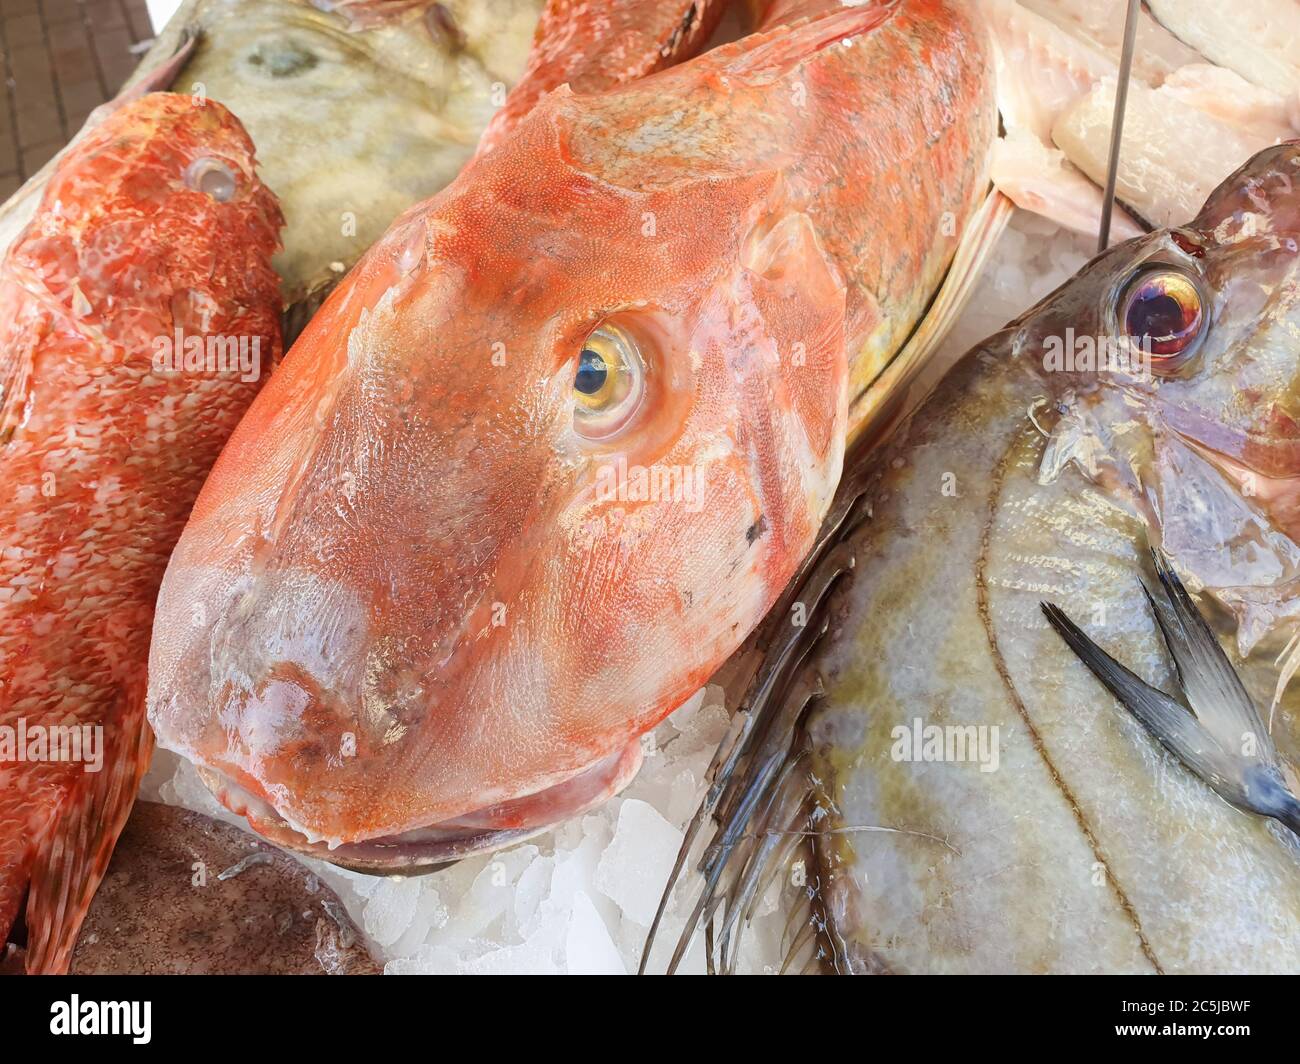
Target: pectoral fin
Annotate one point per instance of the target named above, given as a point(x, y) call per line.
point(1246, 772)
point(1211, 684)
point(1169, 722)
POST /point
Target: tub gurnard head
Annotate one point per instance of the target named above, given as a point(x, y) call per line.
point(527, 479)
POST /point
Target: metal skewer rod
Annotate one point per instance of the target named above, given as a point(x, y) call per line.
point(1117, 122)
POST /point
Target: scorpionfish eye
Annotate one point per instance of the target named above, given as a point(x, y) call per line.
point(212, 177)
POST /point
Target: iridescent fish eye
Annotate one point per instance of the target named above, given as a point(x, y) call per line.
point(1162, 313)
point(212, 177)
point(608, 383)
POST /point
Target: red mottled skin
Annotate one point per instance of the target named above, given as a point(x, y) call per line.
point(420, 610)
point(592, 46)
point(103, 456)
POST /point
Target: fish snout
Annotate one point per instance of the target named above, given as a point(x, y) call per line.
point(1262, 199)
point(365, 746)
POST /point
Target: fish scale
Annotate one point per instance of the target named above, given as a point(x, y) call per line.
point(96, 520)
point(767, 223)
point(1147, 823)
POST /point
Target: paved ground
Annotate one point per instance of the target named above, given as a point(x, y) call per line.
point(62, 58)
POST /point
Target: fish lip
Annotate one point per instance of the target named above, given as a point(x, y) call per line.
point(422, 850)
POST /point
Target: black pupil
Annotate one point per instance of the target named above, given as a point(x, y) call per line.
point(592, 372)
point(1156, 315)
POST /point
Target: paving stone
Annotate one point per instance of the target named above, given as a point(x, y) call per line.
point(114, 50)
point(60, 60)
point(57, 11)
point(22, 31)
point(18, 7)
point(81, 97)
point(38, 155)
point(137, 14)
point(106, 15)
point(36, 125)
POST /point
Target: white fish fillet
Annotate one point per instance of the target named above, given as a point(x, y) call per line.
point(1042, 69)
point(1173, 155)
point(1042, 180)
point(1100, 23)
point(1259, 39)
point(1226, 95)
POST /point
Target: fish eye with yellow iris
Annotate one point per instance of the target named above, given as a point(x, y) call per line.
point(793, 487)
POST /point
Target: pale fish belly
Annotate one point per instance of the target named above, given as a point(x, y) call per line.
point(1063, 839)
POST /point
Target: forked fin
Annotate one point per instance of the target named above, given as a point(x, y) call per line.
point(76, 850)
point(1221, 737)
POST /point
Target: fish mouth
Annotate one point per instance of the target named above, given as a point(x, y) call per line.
point(426, 849)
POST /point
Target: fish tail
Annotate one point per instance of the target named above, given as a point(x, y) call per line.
point(75, 852)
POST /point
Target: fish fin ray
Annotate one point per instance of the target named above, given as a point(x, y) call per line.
point(15, 384)
point(15, 870)
point(76, 850)
point(777, 52)
point(298, 314)
point(1250, 783)
point(649, 38)
point(1213, 688)
point(757, 788)
point(1171, 723)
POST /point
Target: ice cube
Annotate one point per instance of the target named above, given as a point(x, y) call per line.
point(533, 886)
point(534, 956)
point(390, 910)
point(634, 868)
point(491, 895)
point(427, 960)
point(588, 949)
